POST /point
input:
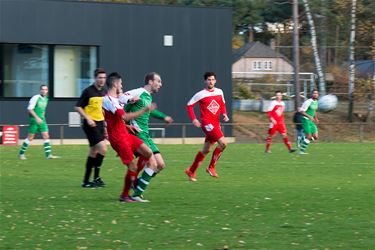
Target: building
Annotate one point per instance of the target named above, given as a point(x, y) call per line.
point(61, 42)
point(257, 58)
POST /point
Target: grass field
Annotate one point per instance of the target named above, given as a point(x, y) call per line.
point(324, 200)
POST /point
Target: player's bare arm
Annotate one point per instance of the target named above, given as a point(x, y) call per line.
point(130, 116)
point(225, 118)
point(90, 122)
point(168, 119)
point(197, 123)
point(38, 120)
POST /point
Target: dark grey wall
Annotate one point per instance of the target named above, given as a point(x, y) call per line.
point(130, 40)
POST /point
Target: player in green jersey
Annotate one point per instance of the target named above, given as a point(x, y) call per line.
point(309, 120)
point(152, 85)
point(37, 123)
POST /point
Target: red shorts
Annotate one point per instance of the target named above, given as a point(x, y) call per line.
point(212, 131)
point(126, 147)
point(280, 127)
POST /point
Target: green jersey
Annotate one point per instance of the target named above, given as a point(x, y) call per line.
point(309, 106)
point(145, 99)
point(39, 104)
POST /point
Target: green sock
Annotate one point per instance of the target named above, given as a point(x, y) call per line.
point(143, 181)
point(305, 143)
point(24, 146)
point(47, 148)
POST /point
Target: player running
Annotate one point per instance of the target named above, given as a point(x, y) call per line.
point(212, 104)
point(37, 123)
point(124, 143)
point(309, 121)
point(152, 85)
point(276, 118)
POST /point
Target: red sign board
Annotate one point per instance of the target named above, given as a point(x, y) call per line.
point(10, 135)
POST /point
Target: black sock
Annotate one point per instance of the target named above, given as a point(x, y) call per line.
point(89, 165)
point(98, 162)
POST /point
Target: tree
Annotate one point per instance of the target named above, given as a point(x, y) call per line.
point(318, 66)
point(351, 60)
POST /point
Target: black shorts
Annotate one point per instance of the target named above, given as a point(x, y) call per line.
point(94, 134)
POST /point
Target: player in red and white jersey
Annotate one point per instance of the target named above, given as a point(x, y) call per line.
point(211, 103)
point(124, 143)
point(276, 118)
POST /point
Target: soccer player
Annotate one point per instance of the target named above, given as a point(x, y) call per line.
point(309, 120)
point(124, 143)
point(297, 119)
point(37, 123)
point(89, 106)
point(212, 104)
point(152, 85)
point(276, 118)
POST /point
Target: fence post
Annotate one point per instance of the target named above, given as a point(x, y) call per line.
point(361, 132)
point(61, 134)
point(183, 133)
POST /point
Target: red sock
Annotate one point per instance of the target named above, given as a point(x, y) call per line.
point(128, 181)
point(215, 157)
point(197, 161)
point(141, 163)
point(287, 143)
point(268, 143)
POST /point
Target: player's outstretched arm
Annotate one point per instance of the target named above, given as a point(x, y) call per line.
point(133, 115)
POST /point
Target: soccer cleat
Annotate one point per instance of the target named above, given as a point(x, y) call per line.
point(126, 199)
point(53, 157)
point(212, 171)
point(88, 185)
point(190, 174)
point(268, 152)
point(138, 199)
point(22, 157)
point(292, 150)
point(302, 153)
point(99, 182)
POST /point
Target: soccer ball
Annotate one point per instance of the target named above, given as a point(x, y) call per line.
point(327, 103)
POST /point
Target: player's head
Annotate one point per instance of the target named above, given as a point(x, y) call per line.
point(314, 94)
point(43, 90)
point(114, 81)
point(153, 82)
point(210, 79)
point(278, 95)
point(100, 77)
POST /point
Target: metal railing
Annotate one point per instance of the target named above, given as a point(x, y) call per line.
point(243, 132)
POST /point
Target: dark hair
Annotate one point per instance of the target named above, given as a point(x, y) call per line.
point(150, 76)
point(278, 91)
point(99, 71)
point(43, 85)
point(208, 74)
point(314, 90)
point(112, 78)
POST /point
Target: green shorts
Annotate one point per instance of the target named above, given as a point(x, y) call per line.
point(145, 137)
point(34, 127)
point(309, 126)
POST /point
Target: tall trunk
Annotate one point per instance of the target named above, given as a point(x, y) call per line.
point(296, 54)
point(322, 85)
point(351, 61)
point(370, 99)
point(323, 35)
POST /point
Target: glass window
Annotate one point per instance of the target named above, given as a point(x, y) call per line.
point(73, 69)
point(25, 69)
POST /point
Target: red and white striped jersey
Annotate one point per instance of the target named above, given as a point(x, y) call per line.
point(276, 110)
point(211, 105)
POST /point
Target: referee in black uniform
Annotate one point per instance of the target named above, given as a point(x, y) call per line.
point(89, 106)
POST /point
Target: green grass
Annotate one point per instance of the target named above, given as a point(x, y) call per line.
point(324, 200)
